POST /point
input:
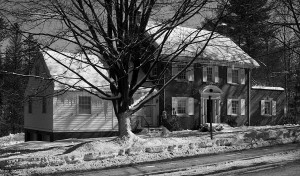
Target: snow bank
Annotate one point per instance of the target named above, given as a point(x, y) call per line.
point(11, 139)
point(106, 152)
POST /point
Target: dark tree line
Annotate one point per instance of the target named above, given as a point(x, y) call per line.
point(18, 55)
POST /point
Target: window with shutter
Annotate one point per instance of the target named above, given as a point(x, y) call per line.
point(210, 74)
point(235, 107)
point(181, 106)
point(235, 76)
point(181, 76)
point(268, 107)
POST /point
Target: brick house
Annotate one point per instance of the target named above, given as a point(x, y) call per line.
point(222, 73)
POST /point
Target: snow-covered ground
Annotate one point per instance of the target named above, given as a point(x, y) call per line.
point(38, 157)
point(11, 139)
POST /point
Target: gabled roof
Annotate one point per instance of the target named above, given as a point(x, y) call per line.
point(60, 73)
point(220, 49)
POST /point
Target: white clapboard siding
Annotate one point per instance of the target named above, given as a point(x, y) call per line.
point(66, 118)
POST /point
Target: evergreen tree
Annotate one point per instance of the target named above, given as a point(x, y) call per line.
point(3, 33)
point(246, 23)
point(18, 60)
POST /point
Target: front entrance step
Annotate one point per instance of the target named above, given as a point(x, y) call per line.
point(152, 131)
point(155, 130)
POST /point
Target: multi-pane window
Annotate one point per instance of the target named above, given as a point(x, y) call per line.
point(235, 107)
point(44, 105)
point(268, 108)
point(181, 106)
point(84, 105)
point(30, 105)
point(210, 74)
point(183, 74)
point(235, 76)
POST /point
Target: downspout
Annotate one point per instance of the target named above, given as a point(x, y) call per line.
point(249, 96)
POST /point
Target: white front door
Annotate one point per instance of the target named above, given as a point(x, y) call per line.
point(215, 110)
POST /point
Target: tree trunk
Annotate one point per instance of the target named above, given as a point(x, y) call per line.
point(124, 125)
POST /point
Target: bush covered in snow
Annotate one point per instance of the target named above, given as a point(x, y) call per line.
point(11, 139)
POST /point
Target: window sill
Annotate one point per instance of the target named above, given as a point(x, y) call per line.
point(267, 115)
point(183, 115)
point(234, 84)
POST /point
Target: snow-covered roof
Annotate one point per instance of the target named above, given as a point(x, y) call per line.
point(77, 62)
point(267, 88)
point(54, 61)
point(220, 49)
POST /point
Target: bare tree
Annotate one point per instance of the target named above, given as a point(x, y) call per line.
point(123, 36)
point(286, 17)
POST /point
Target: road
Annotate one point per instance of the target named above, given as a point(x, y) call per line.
point(177, 165)
point(289, 168)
